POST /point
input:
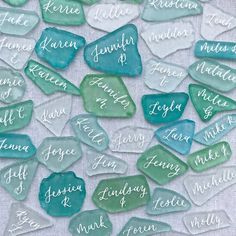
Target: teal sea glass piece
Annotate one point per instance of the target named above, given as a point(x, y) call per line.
point(143, 227)
point(213, 74)
point(133, 1)
point(88, 131)
point(156, 10)
point(17, 178)
point(177, 136)
point(48, 80)
point(216, 131)
point(62, 194)
point(88, 2)
point(16, 146)
point(91, 223)
point(16, 3)
point(12, 85)
point(15, 116)
point(163, 108)
point(58, 47)
point(208, 103)
point(116, 53)
point(131, 192)
point(111, 97)
point(161, 165)
point(58, 153)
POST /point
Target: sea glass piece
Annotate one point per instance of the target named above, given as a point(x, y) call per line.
point(215, 22)
point(91, 223)
point(202, 222)
point(62, 194)
point(111, 97)
point(116, 53)
point(58, 47)
point(166, 10)
point(214, 74)
point(163, 108)
point(162, 76)
point(145, 227)
point(58, 153)
point(132, 192)
point(16, 21)
point(17, 178)
point(161, 165)
point(173, 233)
point(167, 38)
point(177, 136)
point(101, 163)
point(109, 17)
point(16, 146)
point(15, 116)
point(15, 51)
point(216, 131)
point(131, 139)
point(23, 219)
point(202, 188)
point(209, 157)
point(48, 80)
point(16, 3)
point(12, 85)
point(88, 2)
point(133, 1)
point(208, 103)
point(62, 12)
point(88, 131)
point(54, 113)
point(165, 201)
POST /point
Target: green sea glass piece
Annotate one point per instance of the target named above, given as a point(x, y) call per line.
point(208, 103)
point(16, 3)
point(16, 146)
point(143, 227)
point(213, 74)
point(12, 85)
point(48, 80)
point(121, 194)
point(88, 131)
point(210, 157)
point(62, 12)
point(133, 1)
point(58, 47)
point(15, 116)
point(111, 97)
point(62, 194)
point(88, 2)
point(161, 165)
point(162, 108)
point(167, 10)
point(59, 153)
point(91, 223)
point(17, 178)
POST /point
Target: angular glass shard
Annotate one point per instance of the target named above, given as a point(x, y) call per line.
point(16, 3)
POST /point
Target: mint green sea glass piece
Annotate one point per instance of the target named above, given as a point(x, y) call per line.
point(208, 103)
point(62, 12)
point(17, 178)
point(133, 1)
point(88, 131)
point(16, 146)
point(166, 201)
point(58, 47)
point(12, 85)
point(210, 157)
point(161, 165)
point(213, 74)
point(132, 192)
point(88, 2)
point(15, 116)
point(49, 81)
point(62, 194)
point(57, 154)
point(91, 223)
point(143, 227)
point(116, 53)
point(111, 97)
point(166, 10)
point(163, 108)
point(17, 22)
point(16, 3)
